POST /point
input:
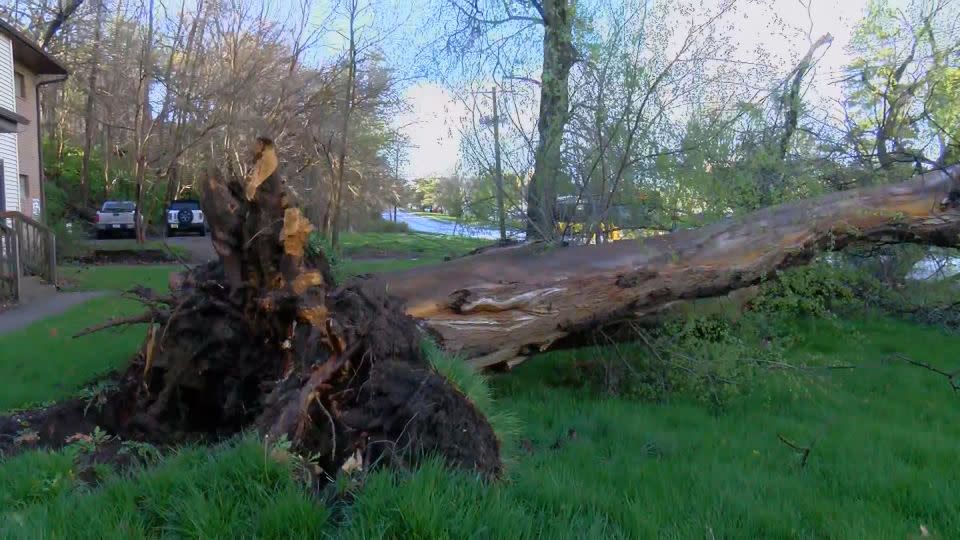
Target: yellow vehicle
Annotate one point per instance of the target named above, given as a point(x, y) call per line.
point(608, 231)
point(571, 217)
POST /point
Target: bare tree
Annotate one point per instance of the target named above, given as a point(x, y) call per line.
point(90, 119)
point(503, 22)
point(60, 17)
point(143, 123)
point(346, 113)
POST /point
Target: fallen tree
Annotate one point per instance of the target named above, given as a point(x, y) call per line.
point(263, 340)
point(499, 307)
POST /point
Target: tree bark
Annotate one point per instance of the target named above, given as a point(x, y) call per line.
point(559, 56)
point(790, 102)
point(501, 306)
point(344, 128)
point(90, 120)
point(63, 14)
point(498, 170)
point(143, 124)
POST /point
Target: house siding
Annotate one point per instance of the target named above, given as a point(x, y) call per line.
point(8, 141)
point(27, 145)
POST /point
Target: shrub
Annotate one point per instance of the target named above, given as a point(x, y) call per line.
point(71, 240)
point(816, 290)
point(318, 244)
point(709, 359)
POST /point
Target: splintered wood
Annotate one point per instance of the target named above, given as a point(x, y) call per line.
point(265, 165)
point(296, 232)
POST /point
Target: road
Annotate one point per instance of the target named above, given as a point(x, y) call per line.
point(435, 226)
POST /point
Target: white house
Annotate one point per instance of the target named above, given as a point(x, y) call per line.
point(24, 68)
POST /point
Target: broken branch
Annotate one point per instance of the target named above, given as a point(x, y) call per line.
point(150, 316)
point(804, 451)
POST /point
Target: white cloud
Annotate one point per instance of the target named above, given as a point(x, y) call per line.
point(431, 125)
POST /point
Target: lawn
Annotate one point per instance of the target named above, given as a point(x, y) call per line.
point(432, 247)
point(363, 253)
point(43, 361)
point(581, 462)
point(116, 277)
point(584, 464)
point(78, 246)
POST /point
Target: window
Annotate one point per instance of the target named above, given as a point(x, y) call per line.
point(21, 85)
point(118, 206)
point(24, 186)
point(184, 205)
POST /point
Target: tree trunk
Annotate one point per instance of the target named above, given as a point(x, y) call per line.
point(143, 124)
point(90, 120)
point(503, 305)
point(790, 102)
point(559, 56)
point(63, 14)
point(344, 128)
point(107, 150)
point(498, 170)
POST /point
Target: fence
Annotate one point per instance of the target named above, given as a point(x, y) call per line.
point(27, 248)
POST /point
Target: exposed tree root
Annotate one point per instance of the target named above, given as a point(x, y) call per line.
point(261, 340)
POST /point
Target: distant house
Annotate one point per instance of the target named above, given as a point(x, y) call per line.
point(24, 67)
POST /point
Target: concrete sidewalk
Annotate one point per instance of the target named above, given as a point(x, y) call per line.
point(36, 309)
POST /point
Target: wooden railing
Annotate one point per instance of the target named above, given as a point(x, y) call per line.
point(9, 264)
point(29, 249)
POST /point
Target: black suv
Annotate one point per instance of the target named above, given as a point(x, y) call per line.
point(184, 215)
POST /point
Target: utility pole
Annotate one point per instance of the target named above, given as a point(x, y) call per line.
point(498, 173)
point(396, 181)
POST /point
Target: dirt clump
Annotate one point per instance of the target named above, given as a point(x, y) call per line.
point(124, 256)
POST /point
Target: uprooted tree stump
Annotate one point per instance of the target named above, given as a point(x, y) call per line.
point(262, 340)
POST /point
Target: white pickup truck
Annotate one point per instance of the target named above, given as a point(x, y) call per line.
point(115, 217)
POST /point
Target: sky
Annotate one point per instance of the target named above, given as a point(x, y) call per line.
point(430, 126)
point(431, 123)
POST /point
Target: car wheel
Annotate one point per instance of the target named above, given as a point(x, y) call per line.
point(100, 234)
point(171, 233)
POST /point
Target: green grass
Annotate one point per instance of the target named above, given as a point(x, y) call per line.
point(406, 250)
point(883, 462)
point(399, 251)
point(421, 245)
point(232, 492)
point(116, 277)
point(43, 362)
point(883, 437)
point(132, 245)
point(77, 246)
